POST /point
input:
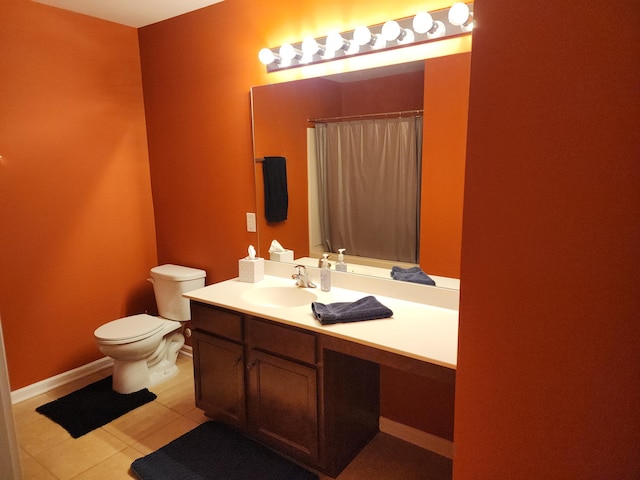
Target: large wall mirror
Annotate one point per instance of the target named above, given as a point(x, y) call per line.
point(284, 119)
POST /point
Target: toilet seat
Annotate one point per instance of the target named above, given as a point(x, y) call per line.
point(128, 329)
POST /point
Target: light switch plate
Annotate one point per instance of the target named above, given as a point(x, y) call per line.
point(251, 222)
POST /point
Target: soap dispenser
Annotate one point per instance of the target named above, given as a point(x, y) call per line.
point(340, 265)
point(325, 274)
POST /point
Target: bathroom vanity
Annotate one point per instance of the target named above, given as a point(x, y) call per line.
point(264, 364)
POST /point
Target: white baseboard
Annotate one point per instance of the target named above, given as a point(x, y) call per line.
point(417, 437)
point(56, 381)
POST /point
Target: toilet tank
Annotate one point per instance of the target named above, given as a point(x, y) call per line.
point(169, 283)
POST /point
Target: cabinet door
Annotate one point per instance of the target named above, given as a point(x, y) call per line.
point(283, 403)
point(219, 377)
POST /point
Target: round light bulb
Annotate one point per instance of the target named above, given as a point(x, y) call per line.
point(378, 42)
point(422, 22)
point(407, 37)
point(438, 30)
point(305, 58)
point(362, 35)
point(391, 30)
point(266, 56)
point(287, 52)
point(310, 46)
point(458, 14)
point(334, 41)
point(468, 27)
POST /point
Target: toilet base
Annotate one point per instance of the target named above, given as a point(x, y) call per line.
point(133, 375)
point(163, 375)
point(130, 376)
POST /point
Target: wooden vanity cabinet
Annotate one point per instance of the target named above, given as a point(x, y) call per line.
point(282, 400)
point(276, 383)
point(218, 362)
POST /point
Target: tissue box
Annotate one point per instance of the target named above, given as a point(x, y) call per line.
point(286, 256)
point(251, 271)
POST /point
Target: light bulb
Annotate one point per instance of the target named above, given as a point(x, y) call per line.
point(306, 58)
point(438, 30)
point(335, 41)
point(406, 37)
point(362, 35)
point(468, 26)
point(391, 30)
point(458, 14)
point(310, 46)
point(378, 42)
point(422, 22)
point(287, 52)
point(266, 56)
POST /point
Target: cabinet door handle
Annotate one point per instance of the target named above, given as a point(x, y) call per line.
point(237, 360)
point(250, 365)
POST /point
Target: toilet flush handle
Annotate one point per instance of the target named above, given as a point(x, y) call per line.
point(150, 280)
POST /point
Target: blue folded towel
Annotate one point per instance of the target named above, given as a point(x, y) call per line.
point(367, 308)
point(413, 274)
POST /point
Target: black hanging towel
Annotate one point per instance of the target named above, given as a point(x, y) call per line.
point(276, 197)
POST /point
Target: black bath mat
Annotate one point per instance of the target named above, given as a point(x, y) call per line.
point(92, 407)
point(214, 451)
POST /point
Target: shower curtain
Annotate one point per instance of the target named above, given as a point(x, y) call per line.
point(369, 187)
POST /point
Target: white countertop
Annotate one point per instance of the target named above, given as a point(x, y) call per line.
point(416, 330)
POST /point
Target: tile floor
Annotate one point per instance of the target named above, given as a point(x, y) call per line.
point(49, 452)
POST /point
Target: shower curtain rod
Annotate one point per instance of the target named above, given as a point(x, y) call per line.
point(406, 113)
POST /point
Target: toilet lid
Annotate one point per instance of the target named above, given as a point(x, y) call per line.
point(129, 329)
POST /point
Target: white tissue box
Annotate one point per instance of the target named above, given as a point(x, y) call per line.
point(251, 271)
point(286, 256)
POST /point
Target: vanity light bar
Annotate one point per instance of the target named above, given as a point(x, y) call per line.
point(421, 28)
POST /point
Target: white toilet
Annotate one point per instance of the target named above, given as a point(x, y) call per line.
point(144, 348)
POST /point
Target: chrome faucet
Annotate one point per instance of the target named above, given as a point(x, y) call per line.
point(301, 277)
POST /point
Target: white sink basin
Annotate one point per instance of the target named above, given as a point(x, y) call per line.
point(282, 297)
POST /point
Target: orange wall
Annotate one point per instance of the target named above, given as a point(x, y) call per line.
point(446, 99)
point(395, 93)
point(548, 381)
point(77, 232)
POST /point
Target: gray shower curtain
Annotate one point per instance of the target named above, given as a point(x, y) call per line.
point(369, 186)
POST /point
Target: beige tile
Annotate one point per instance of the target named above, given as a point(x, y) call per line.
point(141, 422)
point(185, 374)
point(197, 415)
point(25, 411)
point(389, 458)
point(179, 397)
point(40, 434)
point(32, 470)
point(115, 467)
point(164, 435)
point(74, 456)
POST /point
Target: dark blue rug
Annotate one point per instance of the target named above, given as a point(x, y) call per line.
point(214, 451)
point(92, 407)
